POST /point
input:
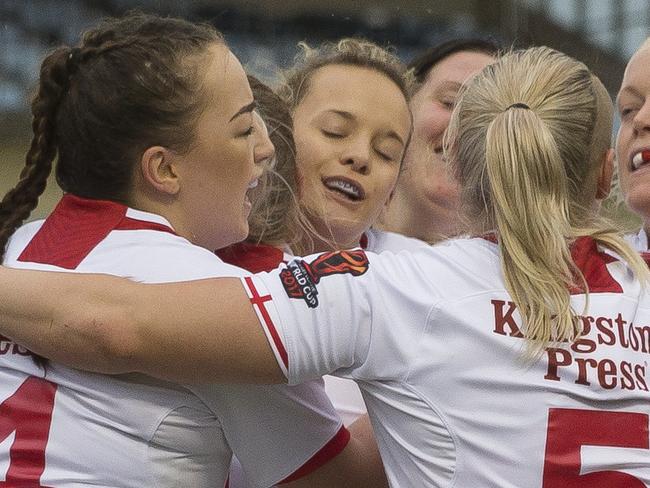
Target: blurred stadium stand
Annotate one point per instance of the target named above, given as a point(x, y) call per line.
point(264, 33)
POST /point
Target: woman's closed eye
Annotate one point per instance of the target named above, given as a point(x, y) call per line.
point(388, 153)
point(626, 112)
point(248, 132)
point(333, 133)
point(448, 101)
point(384, 156)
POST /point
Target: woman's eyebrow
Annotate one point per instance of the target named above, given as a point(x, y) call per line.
point(346, 115)
point(627, 89)
point(245, 109)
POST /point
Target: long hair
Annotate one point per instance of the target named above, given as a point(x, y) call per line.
point(276, 218)
point(526, 141)
point(130, 84)
point(347, 52)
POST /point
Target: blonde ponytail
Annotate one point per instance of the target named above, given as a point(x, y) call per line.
point(536, 258)
point(527, 141)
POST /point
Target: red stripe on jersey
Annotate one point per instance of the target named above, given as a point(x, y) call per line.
point(590, 261)
point(593, 264)
point(646, 257)
point(252, 257)
point(329, 451)
point(363, 242)
point(127, 223)
point(259, 300)
point(74, 229)
point(259, 257)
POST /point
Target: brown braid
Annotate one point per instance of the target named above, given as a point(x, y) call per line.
point(128, 86)
point(132, 83)
point(19, 202)
point(56, 71)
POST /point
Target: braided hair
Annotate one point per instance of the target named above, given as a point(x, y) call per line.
point(131, 83)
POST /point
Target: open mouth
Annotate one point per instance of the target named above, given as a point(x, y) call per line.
point(251, 186)
point(347, 188)
point(640, 158)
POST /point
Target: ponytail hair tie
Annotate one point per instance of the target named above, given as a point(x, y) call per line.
point(517, 105)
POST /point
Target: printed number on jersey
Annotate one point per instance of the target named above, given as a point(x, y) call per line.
point(25, 419)
point(596, 449)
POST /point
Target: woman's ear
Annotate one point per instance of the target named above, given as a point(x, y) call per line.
point(604, 183)
point(158, 169)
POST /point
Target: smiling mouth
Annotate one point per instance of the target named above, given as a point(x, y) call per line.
point(251, 186)
point(346, 188)
point(640, 158)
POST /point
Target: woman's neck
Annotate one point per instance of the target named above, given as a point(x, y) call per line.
point(325, 242)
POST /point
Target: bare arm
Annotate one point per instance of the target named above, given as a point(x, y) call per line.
point(201, 331)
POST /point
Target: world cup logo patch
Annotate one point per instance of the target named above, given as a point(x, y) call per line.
point(300, 278)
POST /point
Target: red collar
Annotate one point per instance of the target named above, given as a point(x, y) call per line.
point(76, 226)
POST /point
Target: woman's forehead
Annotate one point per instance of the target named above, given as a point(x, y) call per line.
point(354, 90)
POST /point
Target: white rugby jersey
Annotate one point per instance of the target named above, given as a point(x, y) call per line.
point(344, 393)
point(638, 241)
point(63, 428)
point(381, 240)
point(434, 342)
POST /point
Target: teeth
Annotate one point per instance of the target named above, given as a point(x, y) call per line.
point(640, 158)
point(253, 184)
point(344, 187)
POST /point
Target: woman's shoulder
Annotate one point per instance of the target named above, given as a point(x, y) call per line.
point(380, 240)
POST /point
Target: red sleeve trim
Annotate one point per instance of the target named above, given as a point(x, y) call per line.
point(258, 301)
point(329, 451)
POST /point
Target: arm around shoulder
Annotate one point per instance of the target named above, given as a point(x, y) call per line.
point(202, 331)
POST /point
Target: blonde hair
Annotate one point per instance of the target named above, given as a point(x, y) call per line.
point(526, 140)
point(296, 83)
point(348, 51)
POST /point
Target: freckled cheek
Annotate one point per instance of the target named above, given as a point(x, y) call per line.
point(308, 168)
point(385, 185)
point(306, 179)
point(622, 150)
point(441, 185)
point(624, 179)
point(431, 124)
point(638, 199)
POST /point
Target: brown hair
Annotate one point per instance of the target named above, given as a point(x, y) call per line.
point(130, 84)
point(274, 205)
point(427, 60)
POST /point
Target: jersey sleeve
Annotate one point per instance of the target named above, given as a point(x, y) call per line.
point(342, 313)
point(280, 432)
